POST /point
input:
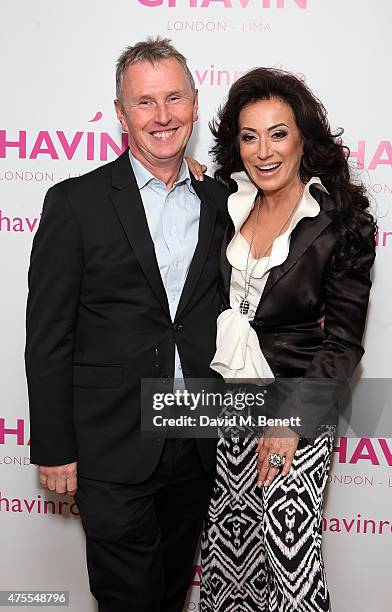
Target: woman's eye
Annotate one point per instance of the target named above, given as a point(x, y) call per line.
point(247, 137)
point(279, 135)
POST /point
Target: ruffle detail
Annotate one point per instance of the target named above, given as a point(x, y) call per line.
point(238, 355)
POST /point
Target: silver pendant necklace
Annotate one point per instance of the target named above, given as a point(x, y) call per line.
point(244, 304)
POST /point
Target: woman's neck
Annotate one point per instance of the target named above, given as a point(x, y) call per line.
point(282, 198)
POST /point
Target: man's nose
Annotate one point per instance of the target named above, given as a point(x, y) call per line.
point(162, 114)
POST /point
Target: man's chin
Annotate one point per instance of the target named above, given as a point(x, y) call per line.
point(158, 155)
point(168, 153)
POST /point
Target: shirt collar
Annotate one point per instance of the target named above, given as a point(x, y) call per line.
point(240, 205)
point(144, 177)
point(241, 202)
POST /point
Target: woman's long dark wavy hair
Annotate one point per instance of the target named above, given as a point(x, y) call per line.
point(323, 153)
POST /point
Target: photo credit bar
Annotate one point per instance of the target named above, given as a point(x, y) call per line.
point(210, 408)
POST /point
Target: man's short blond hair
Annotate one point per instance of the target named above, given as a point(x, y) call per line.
point(152, 50)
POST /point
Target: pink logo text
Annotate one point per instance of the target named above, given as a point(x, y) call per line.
point(227, 4)
point(376, 451)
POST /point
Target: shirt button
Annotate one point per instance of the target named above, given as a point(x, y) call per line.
point(173, 297)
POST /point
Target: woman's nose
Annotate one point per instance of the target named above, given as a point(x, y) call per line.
point(265, 149)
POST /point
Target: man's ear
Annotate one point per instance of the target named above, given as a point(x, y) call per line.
point(120, 115)
point(196, 106)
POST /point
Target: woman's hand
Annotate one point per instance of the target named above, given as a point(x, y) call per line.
point(281, 440)
point(196, 168)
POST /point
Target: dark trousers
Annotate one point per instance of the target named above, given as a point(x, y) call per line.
point(141, 539)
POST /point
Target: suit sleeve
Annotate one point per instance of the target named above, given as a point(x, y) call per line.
point(54, 287)
point(315, 397)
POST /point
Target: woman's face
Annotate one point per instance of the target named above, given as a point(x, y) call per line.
point(270, 145)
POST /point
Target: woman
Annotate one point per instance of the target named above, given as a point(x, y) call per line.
point(298, 251)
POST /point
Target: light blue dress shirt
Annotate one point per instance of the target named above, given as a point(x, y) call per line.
point(173, 220)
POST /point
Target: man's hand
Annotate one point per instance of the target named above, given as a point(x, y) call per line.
point(59, 478)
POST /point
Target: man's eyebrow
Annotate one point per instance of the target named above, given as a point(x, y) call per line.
point(175, 92)
point(179, 92)
point(144, 97)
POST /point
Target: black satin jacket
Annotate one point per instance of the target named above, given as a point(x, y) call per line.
point(299, 292)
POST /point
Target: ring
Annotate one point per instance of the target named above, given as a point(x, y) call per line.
point(275, 460)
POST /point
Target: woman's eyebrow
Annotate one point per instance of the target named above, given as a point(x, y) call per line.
point(277, 125)
point(269, 129)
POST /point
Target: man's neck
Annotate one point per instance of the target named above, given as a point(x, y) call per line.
point(167, 171)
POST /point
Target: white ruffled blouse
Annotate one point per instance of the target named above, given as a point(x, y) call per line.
point(238, 354)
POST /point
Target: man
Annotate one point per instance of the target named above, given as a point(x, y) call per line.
point(123, 286)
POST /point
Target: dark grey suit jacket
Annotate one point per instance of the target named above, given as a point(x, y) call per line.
point(98, 322)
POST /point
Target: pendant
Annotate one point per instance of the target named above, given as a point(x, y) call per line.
point(244, 306)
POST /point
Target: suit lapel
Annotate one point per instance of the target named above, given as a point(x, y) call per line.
point(129, 207)
point(302, 237)
point(225, 267)
point(206, 230)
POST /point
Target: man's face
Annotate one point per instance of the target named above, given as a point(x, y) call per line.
point(158, 110)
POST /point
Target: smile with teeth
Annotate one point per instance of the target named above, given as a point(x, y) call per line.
point(268, 167)
point(164, 135)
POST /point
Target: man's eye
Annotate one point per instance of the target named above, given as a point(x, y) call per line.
point(174, 98)
point(144, 102)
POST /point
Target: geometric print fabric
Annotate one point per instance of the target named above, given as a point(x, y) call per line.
point(261, 547)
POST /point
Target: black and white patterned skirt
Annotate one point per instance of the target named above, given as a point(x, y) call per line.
point(261, 547)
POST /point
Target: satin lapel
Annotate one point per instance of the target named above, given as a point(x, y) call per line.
point(206, 230)
point(129, 207)
point(302, 237)
point(225, 267)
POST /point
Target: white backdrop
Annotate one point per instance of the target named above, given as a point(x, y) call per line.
point(57, 120)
